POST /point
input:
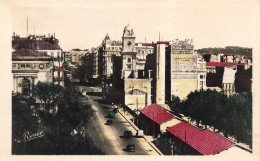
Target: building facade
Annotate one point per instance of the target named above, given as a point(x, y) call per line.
point(36, 58)
point(184, 69)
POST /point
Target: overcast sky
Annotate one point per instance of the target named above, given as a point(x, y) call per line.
point(214, 23)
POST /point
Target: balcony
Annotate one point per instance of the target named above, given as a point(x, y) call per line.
point(58, 68)
point(58, 78)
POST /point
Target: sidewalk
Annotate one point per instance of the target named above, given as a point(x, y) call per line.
point(149, 139)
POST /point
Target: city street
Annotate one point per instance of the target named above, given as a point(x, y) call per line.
point(110, 138)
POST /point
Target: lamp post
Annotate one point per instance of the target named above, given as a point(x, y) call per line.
point(172, 148)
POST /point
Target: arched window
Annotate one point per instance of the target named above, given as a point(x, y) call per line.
point(25, 87)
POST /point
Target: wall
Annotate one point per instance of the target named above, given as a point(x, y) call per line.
point(160, 74)
point(141, 84)
point(135, 101)
point(184, 74)
point(182, 87)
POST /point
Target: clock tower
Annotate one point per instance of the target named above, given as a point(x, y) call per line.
point(128, 39)
point(128, 53)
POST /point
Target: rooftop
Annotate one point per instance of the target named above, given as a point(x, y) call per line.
point(205, 142)
point(156, 113)
point(224, 64)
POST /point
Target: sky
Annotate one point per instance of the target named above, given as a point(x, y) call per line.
point(84, 24)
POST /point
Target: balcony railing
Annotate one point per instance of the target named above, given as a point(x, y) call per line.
point(58, 78)
point(58, 68)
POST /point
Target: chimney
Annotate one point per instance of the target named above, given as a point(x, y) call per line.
point(54, 35)
point(49, 35)
point(13, 33)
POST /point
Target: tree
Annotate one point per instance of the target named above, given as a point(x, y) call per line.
point(231, 115)
point(64, 131)
point(175, 104)
point(48, 93)
point(23, 118)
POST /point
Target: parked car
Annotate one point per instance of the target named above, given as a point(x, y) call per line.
point(84, 102)
point(111, 114)
point(139, 133)
point(115, 110)
point(109, 122)
point(130, 147)
point(128, 134)
point(84, 92)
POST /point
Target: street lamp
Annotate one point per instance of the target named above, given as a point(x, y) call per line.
point(172, 148)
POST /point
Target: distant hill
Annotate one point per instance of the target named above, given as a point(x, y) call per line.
point(236, 50)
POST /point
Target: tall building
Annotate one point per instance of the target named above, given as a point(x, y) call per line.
point(105, 53)
point(160, 74)
point(36, 58)
point(75, 56)
point(184, 72)
point(137, 87)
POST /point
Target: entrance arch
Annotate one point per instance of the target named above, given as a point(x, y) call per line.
point(25, 87)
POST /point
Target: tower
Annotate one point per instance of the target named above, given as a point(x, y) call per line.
point(128, 53)
point(160, 74)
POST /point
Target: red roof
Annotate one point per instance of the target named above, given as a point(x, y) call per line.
point(229, 54)
point(224, 64)
point(204, 141)
point(163, 42)
point(156, 113)
point(248, 57)
point(147, 44)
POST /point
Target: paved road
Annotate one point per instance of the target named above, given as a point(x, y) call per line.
point(110, 137)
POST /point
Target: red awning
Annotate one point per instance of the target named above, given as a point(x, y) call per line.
point(156, 113)
point(147, 44)
point(204, 141)
point(228, 54)
point(163, 42)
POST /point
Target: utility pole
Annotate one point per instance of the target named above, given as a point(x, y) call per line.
point(27, 27)
point(153, 124)
point(137, 111)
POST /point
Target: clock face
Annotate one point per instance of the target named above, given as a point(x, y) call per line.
point(41, 66)
point(129, 43)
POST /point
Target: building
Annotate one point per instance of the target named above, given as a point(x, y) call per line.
point(184, 68)
point(155, 119)
point(137, 87)
point(75, 56)
point(202, 74)
point(143, 49)
point(224, 76)
point(36, 58)
point(107, 49)
point(197, 141)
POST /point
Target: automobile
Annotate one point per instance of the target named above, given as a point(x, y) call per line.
point(130, 147)
point(84, 102)
point(139, 133)
point(84, 92)
point(111, 114)
point(109, 122)
point(128, 134)
point(115, 110)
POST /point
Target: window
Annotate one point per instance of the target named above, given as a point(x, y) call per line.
point(129, 60)
point(23, 66)
point(28, 65)
point(201, 76)
point(128, 67)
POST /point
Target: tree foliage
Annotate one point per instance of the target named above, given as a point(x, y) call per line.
point(48, 93)
point(236, 50)
point(23, 118)
point(64, 130)
point(231, 115)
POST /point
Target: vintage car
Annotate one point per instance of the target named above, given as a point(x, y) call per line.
point(128, 134)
